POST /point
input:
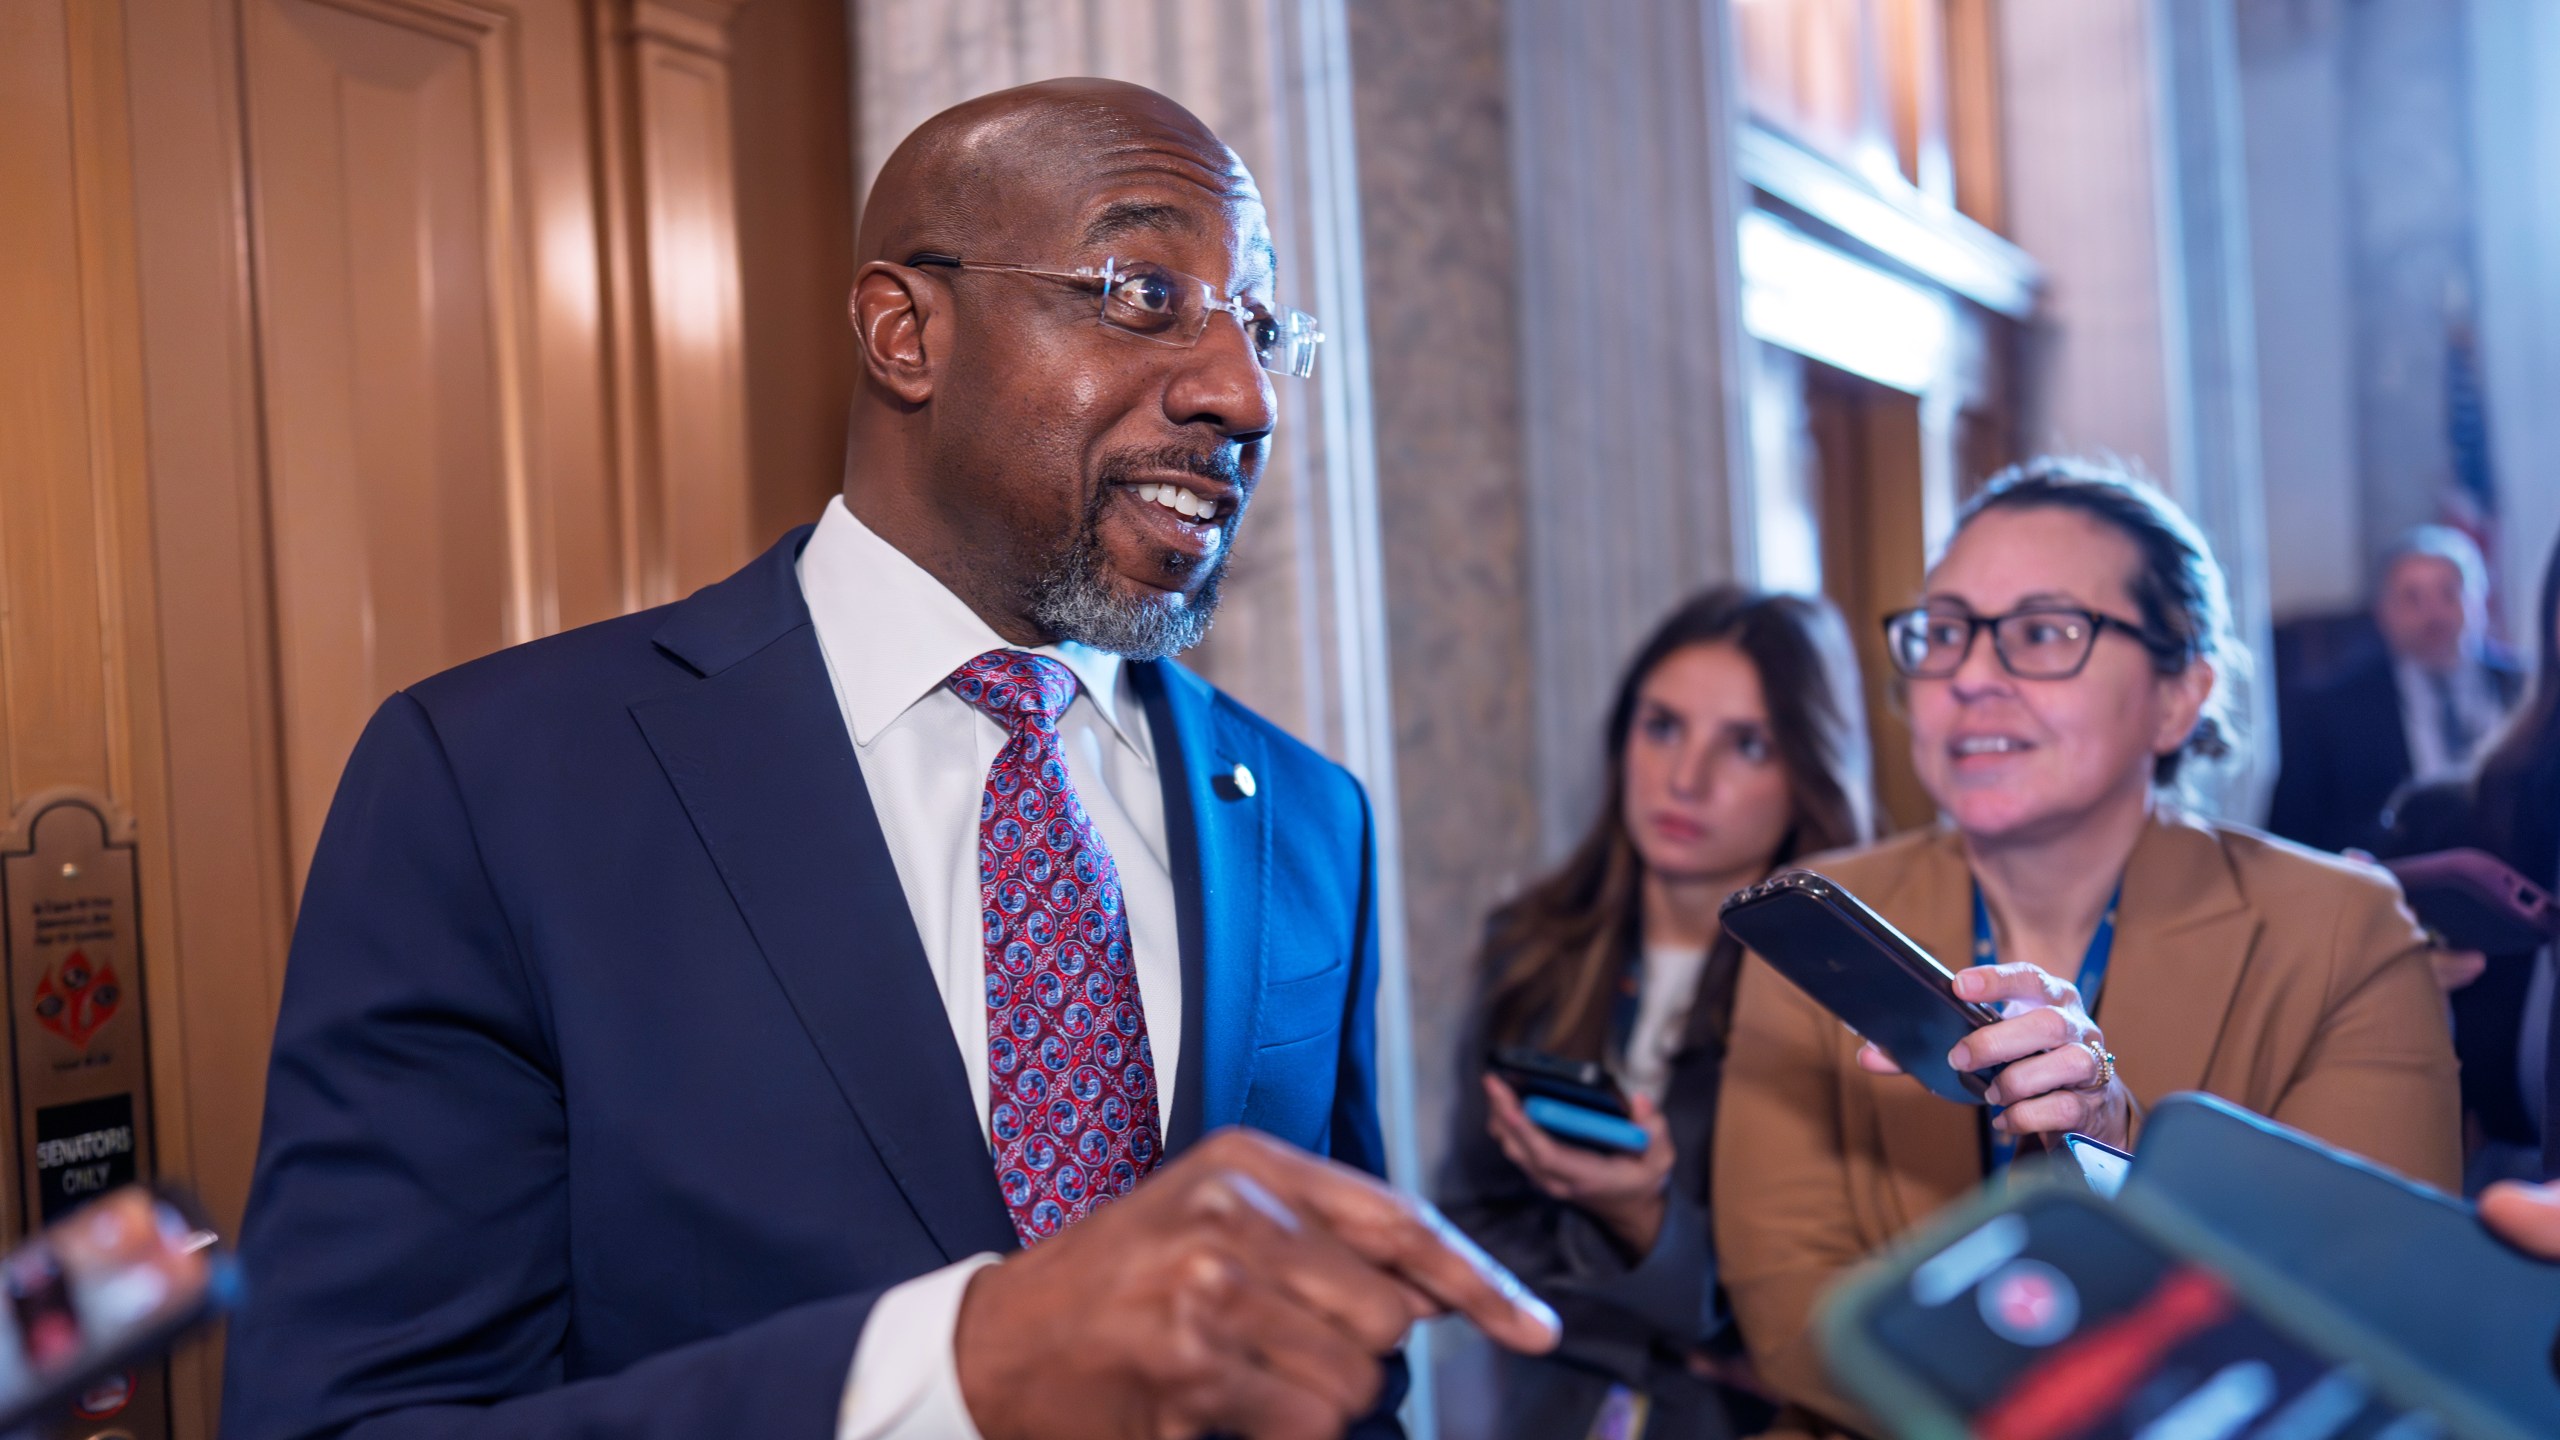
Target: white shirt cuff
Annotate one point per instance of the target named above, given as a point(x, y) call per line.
point(905, 1383)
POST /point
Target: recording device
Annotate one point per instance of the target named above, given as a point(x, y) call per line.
point(1573, 1100)
point(2051, 1313)
point(2100, 1164)
point(1861, 969)
point(105, 1288)
point(2412, 1263)
point(2246, 1280)
point(2473, 901)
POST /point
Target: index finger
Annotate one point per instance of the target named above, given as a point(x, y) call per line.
point(1411, 1239)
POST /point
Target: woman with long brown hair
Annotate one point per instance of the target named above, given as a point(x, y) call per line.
point(1734, 745)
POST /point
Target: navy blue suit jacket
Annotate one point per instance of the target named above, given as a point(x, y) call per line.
point(2344, 751)
point(612, 1087)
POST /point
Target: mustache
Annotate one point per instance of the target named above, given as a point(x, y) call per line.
point(1224, 465)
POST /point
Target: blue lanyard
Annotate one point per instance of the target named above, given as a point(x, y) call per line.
point(2092, 978)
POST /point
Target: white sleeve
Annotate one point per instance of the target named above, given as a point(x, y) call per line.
point(905, 1383)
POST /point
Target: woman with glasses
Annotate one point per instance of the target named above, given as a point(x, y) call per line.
point(2066, 668)
point(1734, 744)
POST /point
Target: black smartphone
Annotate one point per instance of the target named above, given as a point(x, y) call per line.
point(2405, 1259)
point(104, 1288)
point(1857, 966)
point(1573, 1100)
point(2473, 901)
point(2046, 1312)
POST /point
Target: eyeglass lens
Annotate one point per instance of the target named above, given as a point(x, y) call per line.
point(2032, 644)
point(1174, 309)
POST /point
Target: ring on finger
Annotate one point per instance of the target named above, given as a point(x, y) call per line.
point(2106, 1062)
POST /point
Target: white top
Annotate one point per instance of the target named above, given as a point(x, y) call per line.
point(892, 634)
point(1663, 1000)
point(2475, 697)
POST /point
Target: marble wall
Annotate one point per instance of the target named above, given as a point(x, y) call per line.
point(2410, 245)
point(2389, 148)
point(2515, 133)
point(1436, 199)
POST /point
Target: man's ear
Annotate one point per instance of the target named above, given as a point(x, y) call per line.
point(891, 307)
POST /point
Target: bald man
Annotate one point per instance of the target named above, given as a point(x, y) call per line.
point(883, 994)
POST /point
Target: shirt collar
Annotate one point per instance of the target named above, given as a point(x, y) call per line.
point(892, 633)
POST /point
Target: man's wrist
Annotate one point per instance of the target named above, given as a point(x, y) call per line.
point(983, 1357)
point(904, 1384)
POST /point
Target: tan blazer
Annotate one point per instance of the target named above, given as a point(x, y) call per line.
point(2289, 981)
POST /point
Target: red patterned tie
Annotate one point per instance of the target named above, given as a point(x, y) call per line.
point(1071, 1080)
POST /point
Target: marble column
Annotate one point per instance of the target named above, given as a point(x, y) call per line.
point(2124, 153)
point(2212, 354)
point(2410, 244)
point(1631, 378)
point(1435, 189)
point(2515, 137)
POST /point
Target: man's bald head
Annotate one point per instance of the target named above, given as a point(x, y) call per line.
point(965, 181)
point(1068, 478)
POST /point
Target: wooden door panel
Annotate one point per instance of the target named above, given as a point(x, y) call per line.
point(675, 179)
point(380, 142)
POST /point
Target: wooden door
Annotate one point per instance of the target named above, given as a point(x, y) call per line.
point(413, 508)
point(349, 339)
point(1868, 447)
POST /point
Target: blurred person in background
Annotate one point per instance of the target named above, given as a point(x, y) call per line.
point(1734, 745)
point(2418, 708)
point(2508, 805)
point(2061, 676)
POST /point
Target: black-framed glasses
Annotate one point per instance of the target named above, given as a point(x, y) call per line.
point(1170, 307)
point(2039, 642)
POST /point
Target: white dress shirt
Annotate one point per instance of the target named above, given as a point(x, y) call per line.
point(891, 635)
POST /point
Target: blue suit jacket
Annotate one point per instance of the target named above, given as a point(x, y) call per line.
point(2344, 750)
point(611, 1085)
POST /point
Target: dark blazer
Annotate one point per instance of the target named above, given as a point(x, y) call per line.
point(2488, 1013)
point(1628, 1319)
point(612, 1087)
point(2344, 751)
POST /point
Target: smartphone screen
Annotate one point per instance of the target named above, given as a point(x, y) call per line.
point(2059, 1321)
point(84, 1295)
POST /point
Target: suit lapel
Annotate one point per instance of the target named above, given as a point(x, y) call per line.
point(758, 753)
point(1218, 839)
point(2183, 932)
point(1934, 1148)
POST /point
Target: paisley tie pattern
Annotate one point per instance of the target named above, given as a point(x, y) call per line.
point(1071, 1080)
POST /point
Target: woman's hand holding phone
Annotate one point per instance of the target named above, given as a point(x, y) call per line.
point(1623, 1192)
point(2044, 1035)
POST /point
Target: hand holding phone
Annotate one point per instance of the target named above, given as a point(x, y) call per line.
point(2473, 901)
point(1573, 1100)
point(2044, 1086)
point(111, 1284)
point(1854, 964)
point(1623, 1185)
